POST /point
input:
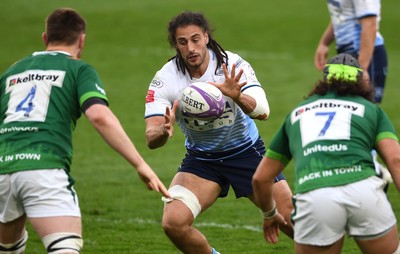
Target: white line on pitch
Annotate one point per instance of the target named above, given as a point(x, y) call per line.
point(200, 224)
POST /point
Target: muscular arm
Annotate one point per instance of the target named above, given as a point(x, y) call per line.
point(322, 51)
point(263, 182)
point(156, 134)
point(252, 101)
point(110, 129)
point(367, 41)
point(255, 103)
point(389, 150)
point(160, 128)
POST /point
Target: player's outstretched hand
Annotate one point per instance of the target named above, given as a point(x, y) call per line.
point(170, 118)
point(149, 177)
point(232, 86)
point(271, 228)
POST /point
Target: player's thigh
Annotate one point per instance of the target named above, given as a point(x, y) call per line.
point(12, 231)
point(190, 195)
point(47, 193)
point(206, 191)
point(58, 224)
point(369, 211)
point(335, 248)
point(11, 206)
point(319, 217)
point(385, 244)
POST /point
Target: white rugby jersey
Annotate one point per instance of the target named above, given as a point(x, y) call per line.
point(345, 15)
point(231, 130)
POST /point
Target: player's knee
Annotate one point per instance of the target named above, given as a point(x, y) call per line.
point(63, 243)
point(175, 221)
point(186, 196)
point(14, 248)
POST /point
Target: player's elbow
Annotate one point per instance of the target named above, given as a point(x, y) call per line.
point(154, 142)
point(261, 110)
point(260, 114)
point(152, 145)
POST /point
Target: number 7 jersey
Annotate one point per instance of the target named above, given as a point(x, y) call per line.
point(330, 138)
point(40, 101)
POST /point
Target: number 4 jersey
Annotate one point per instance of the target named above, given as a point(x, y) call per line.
point(40, 101)
point(330, 138)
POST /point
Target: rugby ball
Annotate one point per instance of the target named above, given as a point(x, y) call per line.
point(203, 101)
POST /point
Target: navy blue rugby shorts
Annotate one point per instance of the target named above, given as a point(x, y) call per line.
point(236, 171)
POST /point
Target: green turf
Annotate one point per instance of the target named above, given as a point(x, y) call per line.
point(127, 43)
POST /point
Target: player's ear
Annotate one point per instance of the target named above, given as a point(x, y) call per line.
point(81, 44)
point(44, 38)
point(82, 41)
point(206, 38)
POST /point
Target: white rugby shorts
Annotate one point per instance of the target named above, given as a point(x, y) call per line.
point(361, 209)
point(37, 193)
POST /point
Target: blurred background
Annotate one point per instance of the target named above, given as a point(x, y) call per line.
point(127, 43)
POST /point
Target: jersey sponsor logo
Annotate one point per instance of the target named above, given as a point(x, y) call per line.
point(330, 173)
point(156, 83)
point(53, 76)
point(325, 104)
point(322, 148)
point(150, 96)
point(101, 90)
point(30, 93)
point(326, 119)
point(20, 156)
point(18, 129)
point(226, 119)
point(189, 101)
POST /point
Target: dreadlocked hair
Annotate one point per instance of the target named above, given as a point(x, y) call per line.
point(187, 18)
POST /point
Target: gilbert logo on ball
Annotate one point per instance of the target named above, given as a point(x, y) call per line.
point(203, 101)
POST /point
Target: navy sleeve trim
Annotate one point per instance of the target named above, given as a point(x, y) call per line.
point(91, 101)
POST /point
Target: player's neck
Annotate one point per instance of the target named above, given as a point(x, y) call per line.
point(72, 50)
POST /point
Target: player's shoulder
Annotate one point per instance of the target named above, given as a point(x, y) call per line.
point(169, 72)
point(169, 68)
point(235, 58)
point(232, 56)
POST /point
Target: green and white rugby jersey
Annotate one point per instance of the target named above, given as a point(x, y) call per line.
point(330, 138)
point(40, 101)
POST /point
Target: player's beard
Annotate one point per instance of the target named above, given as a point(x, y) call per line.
point(199, 59)
point(196, 65)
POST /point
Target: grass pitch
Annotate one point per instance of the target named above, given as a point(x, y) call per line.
point(127, 43)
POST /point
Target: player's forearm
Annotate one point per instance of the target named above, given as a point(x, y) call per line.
point(389, 150)
point(259, 107)
point(109, 127)
point(246, 103)
point(328, 36)
point(367, 41)
point(263, 195)
point(156, 136)
point(393, 165)
point(263, 182)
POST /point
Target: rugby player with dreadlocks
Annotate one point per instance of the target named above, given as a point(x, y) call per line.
point(221, 153)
